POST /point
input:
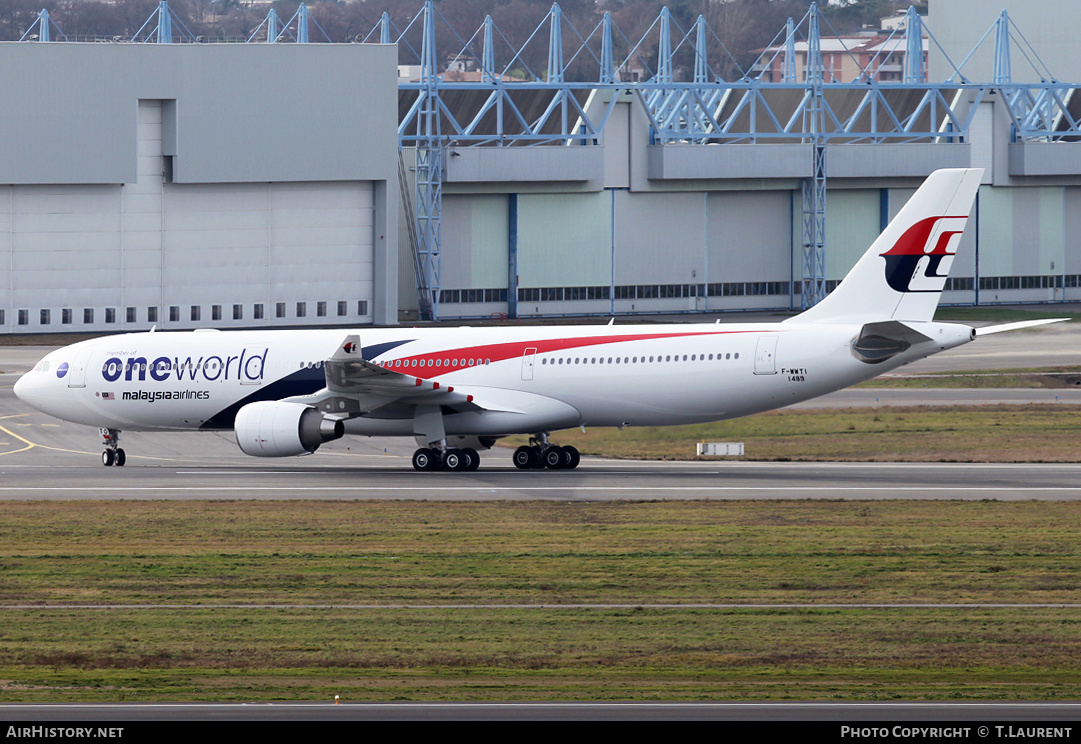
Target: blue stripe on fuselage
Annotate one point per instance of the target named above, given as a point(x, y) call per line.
point(306, 381)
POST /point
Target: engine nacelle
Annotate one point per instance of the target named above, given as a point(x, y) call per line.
point(273, 428)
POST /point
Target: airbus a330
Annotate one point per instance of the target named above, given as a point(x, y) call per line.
point(458, 390)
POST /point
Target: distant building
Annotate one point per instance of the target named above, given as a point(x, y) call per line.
point(845, 59)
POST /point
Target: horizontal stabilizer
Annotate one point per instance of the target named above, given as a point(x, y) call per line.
point(884, 340)
point(987, 330)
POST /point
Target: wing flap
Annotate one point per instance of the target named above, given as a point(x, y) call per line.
point(349, 374)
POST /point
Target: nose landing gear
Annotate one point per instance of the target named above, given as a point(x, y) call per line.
point(113, 454)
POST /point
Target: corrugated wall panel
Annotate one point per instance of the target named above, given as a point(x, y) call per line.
point(660, 238)
point(1026, 237)
point(852, 225)
point(272, 242)
point(1052, 220)
point(1072, 229)
point(996, 231)
point(475, 236)
point(749, 236)
point(564, 240)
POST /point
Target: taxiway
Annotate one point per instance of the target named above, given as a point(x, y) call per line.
point(42, 458)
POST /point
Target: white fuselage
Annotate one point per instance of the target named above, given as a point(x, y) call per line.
point(538, 378)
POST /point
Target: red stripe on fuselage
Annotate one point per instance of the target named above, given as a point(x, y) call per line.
point(452, 360)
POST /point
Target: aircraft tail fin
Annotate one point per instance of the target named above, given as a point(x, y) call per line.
point(902, 274)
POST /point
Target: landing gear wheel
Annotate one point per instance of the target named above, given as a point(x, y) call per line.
point(525, 458)
point(112, 455)
point(425, 459)
point(474, 458)
point(555, 458)
point(456, 460)
point(575, 457)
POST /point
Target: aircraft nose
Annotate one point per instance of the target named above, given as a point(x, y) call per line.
point(20, 388)
point(28, 390)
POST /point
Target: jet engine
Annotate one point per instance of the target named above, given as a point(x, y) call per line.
point(278, 429)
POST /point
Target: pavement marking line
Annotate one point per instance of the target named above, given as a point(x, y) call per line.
point(568, 606)
point(28, 443)
point(520, 489)
point(61, 449)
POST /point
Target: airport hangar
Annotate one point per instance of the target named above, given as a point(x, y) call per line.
point(250, 185)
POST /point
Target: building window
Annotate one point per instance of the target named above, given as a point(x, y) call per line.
point(65, 316)
point(130, 315)
point(321, 309)
point(362, 307)
point(302, 309)
point(196, 312)
point(45, 317)
point(24, 317)
point(279, 309)
point(110, 315)
point(151, 315)
point(1, 316)
point(238, 312)
point(343, 308)
point(88, 315)
point(174, 313)
point(215, 312)
point(257, 311)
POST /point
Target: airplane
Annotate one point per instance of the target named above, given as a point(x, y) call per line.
point(458, 390)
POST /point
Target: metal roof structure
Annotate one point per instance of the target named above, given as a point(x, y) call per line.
point(510, 104)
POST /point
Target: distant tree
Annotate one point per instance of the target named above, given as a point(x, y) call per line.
point(16, 16)
point(739, 28)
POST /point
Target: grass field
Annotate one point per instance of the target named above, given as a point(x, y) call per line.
point(384, 573)
point(1037, 377)
point(249, 601)
point(1005, 433)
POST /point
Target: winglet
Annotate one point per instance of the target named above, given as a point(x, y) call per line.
point(349, 350)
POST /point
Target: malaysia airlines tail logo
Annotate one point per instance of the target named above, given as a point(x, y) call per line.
point(920, 259)
point(350, 348)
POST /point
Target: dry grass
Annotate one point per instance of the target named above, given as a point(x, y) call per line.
point(371, 555)
point(1004, 433)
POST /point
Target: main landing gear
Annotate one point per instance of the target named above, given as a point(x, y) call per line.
point(542, 454)
point(464, 459)
point(113, 454)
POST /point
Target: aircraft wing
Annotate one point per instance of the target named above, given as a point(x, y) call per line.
point(350, 375)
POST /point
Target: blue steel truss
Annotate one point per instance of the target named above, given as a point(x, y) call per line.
point(818, 110)
point(296, 29)
point(158, 28)
point(44, 25)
